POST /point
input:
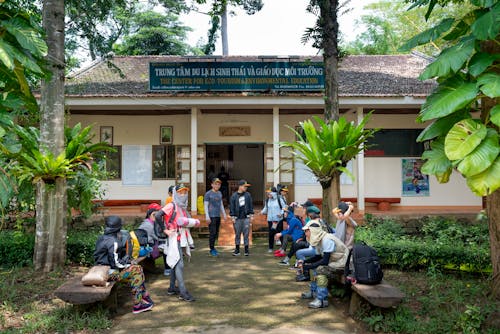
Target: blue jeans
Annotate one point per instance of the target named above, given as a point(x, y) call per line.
point(304, 253)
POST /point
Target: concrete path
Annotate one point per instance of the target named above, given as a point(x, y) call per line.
point(244, 295)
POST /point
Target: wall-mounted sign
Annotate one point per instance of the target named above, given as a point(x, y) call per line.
point(414, 182)
point(236, 76)
point(228, 131)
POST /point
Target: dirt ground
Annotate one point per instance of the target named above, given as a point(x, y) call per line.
point(246, 295)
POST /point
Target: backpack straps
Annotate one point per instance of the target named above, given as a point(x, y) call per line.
point(172, 216)
point(347, 263)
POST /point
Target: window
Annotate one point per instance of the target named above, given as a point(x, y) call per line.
point(113, 163)
point(395, 143)
point(163, 162)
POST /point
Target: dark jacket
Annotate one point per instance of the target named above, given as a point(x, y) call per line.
point(105, 247)
point(234, 206)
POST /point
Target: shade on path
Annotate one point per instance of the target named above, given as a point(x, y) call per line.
point(241, 294)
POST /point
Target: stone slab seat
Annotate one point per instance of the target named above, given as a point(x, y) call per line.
point(74, 292)
point(143, 203)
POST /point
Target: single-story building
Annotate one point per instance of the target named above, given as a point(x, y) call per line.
point(179, 119)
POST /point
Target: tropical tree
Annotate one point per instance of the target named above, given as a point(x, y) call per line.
point(467, 72)
point(153, 33)
point(326, 150)
point(389, 24)
point(218, 14)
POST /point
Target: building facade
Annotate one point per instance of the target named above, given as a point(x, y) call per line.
point(182, 119)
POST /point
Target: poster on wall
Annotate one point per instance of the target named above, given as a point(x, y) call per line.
point(415, 183)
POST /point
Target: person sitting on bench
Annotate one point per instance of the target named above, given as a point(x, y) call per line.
point(110, 251)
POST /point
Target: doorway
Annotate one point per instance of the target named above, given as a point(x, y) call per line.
point(239, 161)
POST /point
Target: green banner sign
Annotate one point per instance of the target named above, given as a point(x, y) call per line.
point(236, 76)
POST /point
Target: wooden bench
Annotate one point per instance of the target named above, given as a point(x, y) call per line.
point(74, 292)
point(383, 203)
point(143, 203)
point(381, 295)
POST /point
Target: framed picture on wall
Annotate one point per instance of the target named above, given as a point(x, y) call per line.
point(166, 134)
point(106, 134)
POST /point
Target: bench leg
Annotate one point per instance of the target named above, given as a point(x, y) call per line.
point(355, 303)
point(384, 206)
point(111, 303)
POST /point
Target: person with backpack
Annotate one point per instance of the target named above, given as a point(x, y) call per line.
point(111, 250)
point(176, 222)
point(273, 208)
point(212, 202)
point(330, 252)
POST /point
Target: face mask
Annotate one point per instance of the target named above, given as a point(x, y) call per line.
point(182, 200)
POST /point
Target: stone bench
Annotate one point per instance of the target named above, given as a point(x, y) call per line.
point(74, 292)
point(143, 203)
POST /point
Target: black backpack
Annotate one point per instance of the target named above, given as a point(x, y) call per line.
point(366, 265)
point(125, 246)
point(159, 228)
point(142, 236)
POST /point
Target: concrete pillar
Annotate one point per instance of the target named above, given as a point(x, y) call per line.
point(276, 148)
point(361, 168)
point(194, 158)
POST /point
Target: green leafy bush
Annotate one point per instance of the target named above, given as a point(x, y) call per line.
point(442, 243)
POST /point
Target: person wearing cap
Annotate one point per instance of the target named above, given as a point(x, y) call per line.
point(241, 212)
point(291, 234)
point(273, 208)
point(282, 192)
point(330, 252)
point(344, 230)
point(169, 197)
point(176, 221)
point(212, 202)
point(148, 224)
point(109, 253)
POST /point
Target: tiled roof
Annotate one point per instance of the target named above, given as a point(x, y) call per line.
point(360, 76)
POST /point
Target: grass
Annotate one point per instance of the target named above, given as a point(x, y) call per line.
point(248, 292)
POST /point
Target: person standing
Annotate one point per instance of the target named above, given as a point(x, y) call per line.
point(224, 178)
point(213, 205)
point(176, 221)
point(273, 208)
point(241, 212)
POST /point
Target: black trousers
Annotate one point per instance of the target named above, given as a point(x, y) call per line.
point(272, 232)
point(299, 244)
point(213, 230)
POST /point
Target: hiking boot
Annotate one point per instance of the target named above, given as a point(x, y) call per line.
point(186, 297)
point(302, 278)
point(142, 307)
point(284, 262)
point(148, 299)
point(174, 291)
point(307, 295)
point(213, 252)
point(318, 303)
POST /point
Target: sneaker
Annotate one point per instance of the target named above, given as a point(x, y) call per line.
point(247, 253)
point(284, 262)
point(148, 299)
point(216, 251)
point(142, 307)
point(270, 250)
point(213, 252)
point(307, 295)
point(278, 242)
point(186, 297)
point(318, 303)
point(281, 253)
point(174, 291)
point(167, 272)
point(236, 253)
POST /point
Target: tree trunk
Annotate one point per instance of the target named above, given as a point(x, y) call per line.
point(328, 12)
point(331, 196)
point(223, 31)
point(493, 211)
point(50, 241)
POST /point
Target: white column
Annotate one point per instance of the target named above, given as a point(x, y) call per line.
point(194, 158)
point(361, 168)
point(276, 148)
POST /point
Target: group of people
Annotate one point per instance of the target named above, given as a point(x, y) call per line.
point(312, 241)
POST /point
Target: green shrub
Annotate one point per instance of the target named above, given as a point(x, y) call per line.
point(16, 249)
point(80, 247)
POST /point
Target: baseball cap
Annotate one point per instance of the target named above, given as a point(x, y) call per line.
point(153, 207)
point(216, 180)
point(343, 207)
point(307, 204)
point(243, 183)
point(313, 209)
point(310, 224)
point(284, 188)
point(180, 187)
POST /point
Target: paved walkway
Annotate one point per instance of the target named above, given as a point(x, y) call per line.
point(244, 295)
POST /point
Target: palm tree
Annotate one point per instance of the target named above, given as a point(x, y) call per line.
point(326, 150)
